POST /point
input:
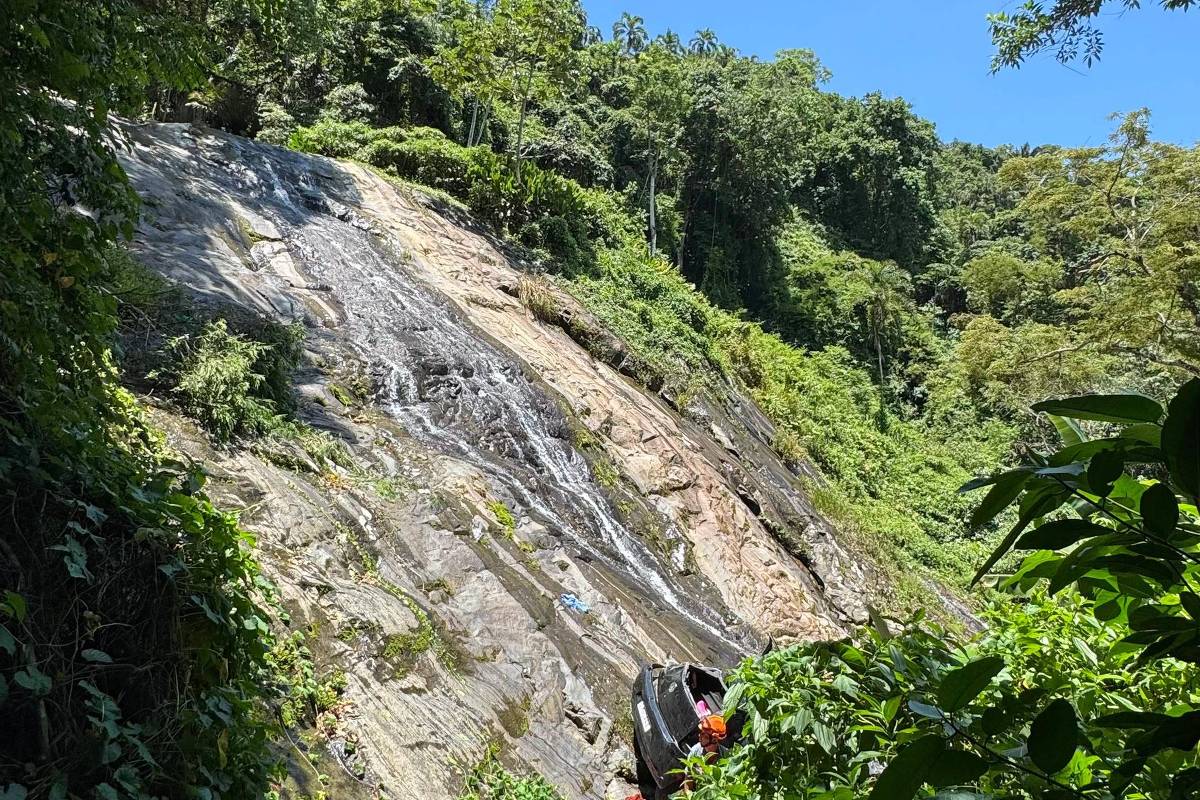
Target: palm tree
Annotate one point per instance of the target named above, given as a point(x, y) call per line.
point(670, 41)
point(704, 42)
point(885, 295)
point(630, 31)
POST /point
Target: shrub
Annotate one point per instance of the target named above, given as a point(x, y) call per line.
point(332, 138)
point(348, 102)
point(435, 162)
point(489, 780)
point(546, 211)
point(538, 296)
point(275, 124)
point(222, 379)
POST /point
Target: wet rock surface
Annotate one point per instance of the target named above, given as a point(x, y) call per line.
point(702, 545)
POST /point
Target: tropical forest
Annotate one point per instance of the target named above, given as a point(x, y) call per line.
point(509, 400)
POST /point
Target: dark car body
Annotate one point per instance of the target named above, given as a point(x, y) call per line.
point(666, 722)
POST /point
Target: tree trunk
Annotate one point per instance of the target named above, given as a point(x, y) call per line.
point(483, 121)
point(653, 206)
point(882, 390)
point(474, 114)
point(521, 123)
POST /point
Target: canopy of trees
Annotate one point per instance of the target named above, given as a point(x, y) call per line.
point(898, 305)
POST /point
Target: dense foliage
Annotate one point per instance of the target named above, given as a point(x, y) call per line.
point(1085, 682)
point(1067, 28)
point(134, 622)
point(896, 304)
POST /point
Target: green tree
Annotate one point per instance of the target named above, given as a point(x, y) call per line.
point(1082, 686)
point(90, 502)
point(880, 292)
point(1011, 288)
point(655, 117)
point(1122, 219)
point(630, 32)
point(1066, 28)
point(704, 43)
point(534, 41)
point(465, 60)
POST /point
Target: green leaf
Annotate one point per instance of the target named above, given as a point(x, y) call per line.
point(1125, 408)
point(34, 680)
point(824, 736)
point(1086, 651)
point(1175, 733)
point(999, 497)
point(730, 701)
point(1059, 534)
point(955, 768)
point(17, 603)
point(924, 709)
point(14, 791)
point(1054, 736)
point(1191, 604)
point(7, 643)
point(801, 721)
point(1036, 502)
point(1104, 468)
point(1131, 719)
point(1068, 429)
point(1085, 450)
point(906, 772)
point(891, 706)
point(1106, 611)
point(1159, 509)
point(96, 656)
point(1082, 559)
point(1181, 439)
point(1146, 432)
point(959, 687)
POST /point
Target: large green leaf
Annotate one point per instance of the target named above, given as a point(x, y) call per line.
point(1123, 408)
point(1038, 501)
point(1147, 432)
point(905, 773)
point(959, 687)
point(1006, 489)
point(1160, 510)
point(1104, 468)
point(1174, 733)
point(1068, 430)
point(1054, 736)
point(1181, 439)
point(1060, 533)
point(1133, 450)
point(955, 768)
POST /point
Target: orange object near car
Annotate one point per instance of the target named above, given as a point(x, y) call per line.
point(714, 726)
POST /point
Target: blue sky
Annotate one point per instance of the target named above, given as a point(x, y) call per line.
point(935, 54)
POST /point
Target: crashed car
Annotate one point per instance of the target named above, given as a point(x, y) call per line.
point(669, 700)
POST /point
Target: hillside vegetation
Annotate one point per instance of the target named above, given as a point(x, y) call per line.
point(897, 305)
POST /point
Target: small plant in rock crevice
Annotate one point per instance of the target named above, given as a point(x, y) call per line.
point(490, 780)
point(504, 517)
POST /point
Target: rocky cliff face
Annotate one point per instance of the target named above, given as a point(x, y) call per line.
point(453, 398)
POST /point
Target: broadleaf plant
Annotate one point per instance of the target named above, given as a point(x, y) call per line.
point(1085, 682)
